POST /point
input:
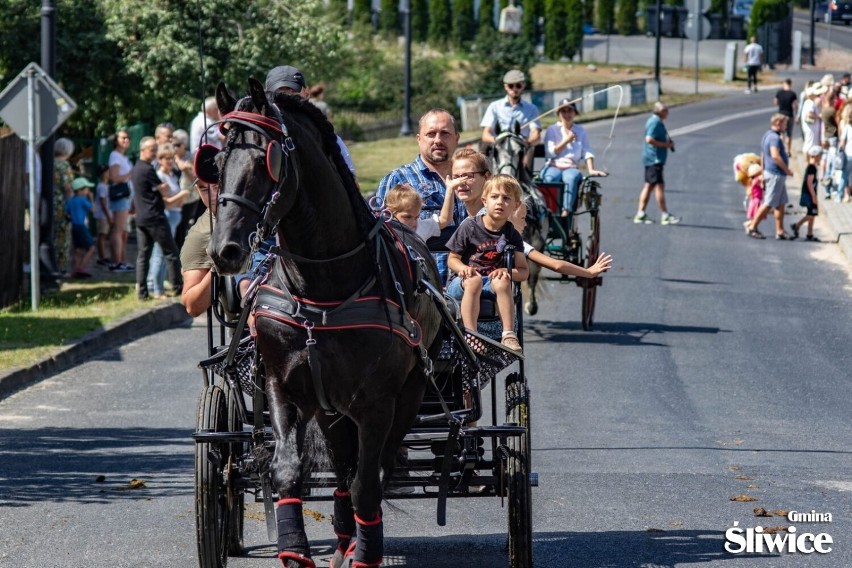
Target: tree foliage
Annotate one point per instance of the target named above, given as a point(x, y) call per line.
point(486, 14)
point(533, 10)
point(555, 23)
point(625, 21)
point(486, 68)
point(464, 24)
point(389, 24)
point(440, 22)
point(605, 15)
point(764, 12)
point(574, 27)
point(419, 20)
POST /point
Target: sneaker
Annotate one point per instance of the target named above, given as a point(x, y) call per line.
point(104, 262)
point(642, 218)
point(782, 237)
point(128, 266)
point(511, 342)
point(669, 219)
point(795, 230)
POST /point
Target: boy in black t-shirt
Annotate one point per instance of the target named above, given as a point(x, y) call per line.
point(476, 256)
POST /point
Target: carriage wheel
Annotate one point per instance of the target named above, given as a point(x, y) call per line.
point(211, 501)
point(236, 497)
point(590, 286)
point(518, 475)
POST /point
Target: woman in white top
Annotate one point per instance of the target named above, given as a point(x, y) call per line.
point(811, 122)
point(119, 172)
point(566, 145)
point(844, 145)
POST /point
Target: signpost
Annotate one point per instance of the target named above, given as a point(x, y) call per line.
point(34, 104)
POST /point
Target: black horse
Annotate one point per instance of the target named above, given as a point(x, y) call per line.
point(345, 334)
point(507, 157)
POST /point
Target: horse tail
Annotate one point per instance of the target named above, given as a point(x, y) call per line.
point(315, 454)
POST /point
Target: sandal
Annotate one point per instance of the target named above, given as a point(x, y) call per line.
point(755, 234)
point(795, 230)
point(812, 239)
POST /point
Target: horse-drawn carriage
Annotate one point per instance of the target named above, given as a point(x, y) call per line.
point(431, 413)
point(548, 230)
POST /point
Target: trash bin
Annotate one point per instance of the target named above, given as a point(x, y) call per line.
point(737, 27)
point(715, 20)
point(667, 21)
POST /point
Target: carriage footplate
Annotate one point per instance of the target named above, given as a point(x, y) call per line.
point(242, 369)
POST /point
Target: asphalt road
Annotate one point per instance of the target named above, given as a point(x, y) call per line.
point(718, 367)
point(837, 36)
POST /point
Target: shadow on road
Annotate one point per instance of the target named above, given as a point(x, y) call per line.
point(64, 464)
point(610, 333)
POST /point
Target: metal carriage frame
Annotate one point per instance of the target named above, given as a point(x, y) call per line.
point(455, 450)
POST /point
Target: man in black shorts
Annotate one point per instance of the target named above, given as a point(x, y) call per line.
point(654, 153)
point(788, 105)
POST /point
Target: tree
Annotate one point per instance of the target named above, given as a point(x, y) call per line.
point(440, 22)
point(362, 11)
point(626, 19)
point(574, 27)
point(419, 20)
point(486, 71)
point(605, 15)
point(486, 14)
point(464, 25)
point(389, 18)
point(555, 22)
point(764, 12)
point(533, 10)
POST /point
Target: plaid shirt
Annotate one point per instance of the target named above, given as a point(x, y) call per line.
point(431, 188)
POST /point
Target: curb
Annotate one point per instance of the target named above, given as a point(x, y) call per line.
point(133, 326)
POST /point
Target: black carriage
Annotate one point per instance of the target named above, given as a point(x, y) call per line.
point(455, 449)
point(565, 241)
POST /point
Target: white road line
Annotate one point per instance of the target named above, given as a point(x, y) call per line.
point(721, 120)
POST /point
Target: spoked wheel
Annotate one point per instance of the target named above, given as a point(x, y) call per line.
point(211, 492)
point(518, 475)
point(590, 286)
point(236, 497)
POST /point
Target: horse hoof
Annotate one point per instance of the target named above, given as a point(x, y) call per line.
point(531, 308)
point(340, 561)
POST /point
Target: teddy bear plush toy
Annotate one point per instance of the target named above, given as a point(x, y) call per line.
point(741, 166)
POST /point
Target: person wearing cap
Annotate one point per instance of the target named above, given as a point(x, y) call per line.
point(655, 151)
point(808, 198)
point(566, 146)
point(77, 209)
point(775, 171)
point(811, 122)
point(287, 79)
point(753, 57)
point(208, 117)
point(437, 138)
point(511, 110)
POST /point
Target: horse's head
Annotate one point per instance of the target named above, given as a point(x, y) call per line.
point(254, 168)
point(509, 150)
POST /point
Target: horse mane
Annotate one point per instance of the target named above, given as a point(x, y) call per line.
point(328, 139)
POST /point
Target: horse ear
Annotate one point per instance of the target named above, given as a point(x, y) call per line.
point(258, 95)
point(517, 128)
point(497, 129)
point(224, 99)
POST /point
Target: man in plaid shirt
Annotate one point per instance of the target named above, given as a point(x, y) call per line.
point(437, 137)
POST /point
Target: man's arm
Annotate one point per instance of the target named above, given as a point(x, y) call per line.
point(487, 137)
point(775, 154)
point(535, 135)
point(196, 291)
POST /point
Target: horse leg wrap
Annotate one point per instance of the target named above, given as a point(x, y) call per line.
point(292, 540)
point(343, 520)
point(369, 543)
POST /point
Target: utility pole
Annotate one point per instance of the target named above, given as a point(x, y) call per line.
point(405, 128)
point(812, 48)
point(48, 64)
point(657, 54)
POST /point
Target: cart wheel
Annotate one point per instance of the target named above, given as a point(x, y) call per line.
point(236, 497)
point(518, 476)
point(211, 502)
point(590, 286)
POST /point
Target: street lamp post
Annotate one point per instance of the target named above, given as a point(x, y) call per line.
point(405, 9)
point(657, 54)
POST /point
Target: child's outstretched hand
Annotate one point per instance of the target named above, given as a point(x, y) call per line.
point(603, 264)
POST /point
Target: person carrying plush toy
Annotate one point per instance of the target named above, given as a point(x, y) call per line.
point(755, 175)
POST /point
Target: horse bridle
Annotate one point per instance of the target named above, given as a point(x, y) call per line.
point(500, 167)
point(279, 152)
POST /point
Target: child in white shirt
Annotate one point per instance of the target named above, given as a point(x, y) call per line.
point(405, 203)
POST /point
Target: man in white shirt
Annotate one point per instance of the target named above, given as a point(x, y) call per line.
point(753, 56)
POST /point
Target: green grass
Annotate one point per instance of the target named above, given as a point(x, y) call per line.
point(63, 316)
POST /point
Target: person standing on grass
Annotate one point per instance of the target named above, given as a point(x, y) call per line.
point(753, 57)
point(654, 154)
point(776, 168)
point(77, 208)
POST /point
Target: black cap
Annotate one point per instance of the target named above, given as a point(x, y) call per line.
point(284, 76)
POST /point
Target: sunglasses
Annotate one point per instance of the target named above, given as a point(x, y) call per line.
point(515, 85)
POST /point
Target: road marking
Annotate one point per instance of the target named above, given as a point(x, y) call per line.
point(713, 122)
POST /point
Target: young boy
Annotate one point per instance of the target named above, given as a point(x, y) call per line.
point(808, 199)
point(405, 205)
point(476, 256)
point(102, 214)
point(77, 208)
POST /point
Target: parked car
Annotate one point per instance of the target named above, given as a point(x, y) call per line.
point(841, 11)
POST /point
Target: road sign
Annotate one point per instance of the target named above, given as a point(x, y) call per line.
point(52, 105)
point(692, 31)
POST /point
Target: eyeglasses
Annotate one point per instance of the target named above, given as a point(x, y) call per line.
point(515, 86)
point(469, 175)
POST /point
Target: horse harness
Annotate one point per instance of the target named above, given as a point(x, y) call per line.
point(358, 311)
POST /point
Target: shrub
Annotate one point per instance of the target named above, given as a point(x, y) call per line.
point(764, 12)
